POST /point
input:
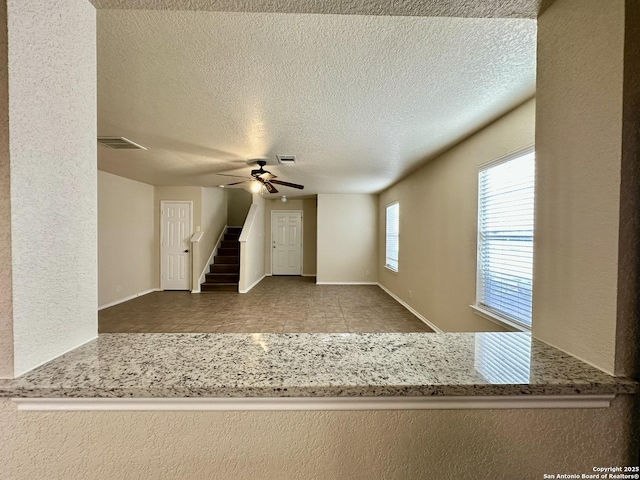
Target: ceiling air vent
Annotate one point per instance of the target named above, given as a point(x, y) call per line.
point(286, 158)
point(119, 143)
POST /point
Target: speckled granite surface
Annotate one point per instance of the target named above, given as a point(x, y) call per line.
point(308, 364)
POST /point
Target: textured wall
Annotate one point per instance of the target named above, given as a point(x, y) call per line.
point(578, 150)
point(391, 445)
point(6, 290)
point(52, 110)
point(347, 238)
point(438, 225)
point(126, 259)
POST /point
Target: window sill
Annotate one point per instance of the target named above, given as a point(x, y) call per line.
point(391, 269)
point(503, 322)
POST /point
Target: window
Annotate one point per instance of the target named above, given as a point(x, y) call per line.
point(393, 229)
point(505, 238)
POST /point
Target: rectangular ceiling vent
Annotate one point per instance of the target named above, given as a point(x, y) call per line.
point(286, 158)
point(119, 143)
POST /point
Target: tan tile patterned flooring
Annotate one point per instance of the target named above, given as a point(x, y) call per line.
point(276, 305)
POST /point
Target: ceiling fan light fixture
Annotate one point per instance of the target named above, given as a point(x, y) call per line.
point(256, 186)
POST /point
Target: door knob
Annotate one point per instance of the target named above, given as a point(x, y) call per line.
point(186, 251)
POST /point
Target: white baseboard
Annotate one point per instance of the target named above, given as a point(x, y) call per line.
point(252, 285)
point(316, 403)
point(308, 274)
point(344, 283)
point(410, 308)
point(126, 299)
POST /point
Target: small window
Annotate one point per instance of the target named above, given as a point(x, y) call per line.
point(505, 238)
point(393, 230)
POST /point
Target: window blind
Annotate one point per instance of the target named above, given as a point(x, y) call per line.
point(393, 231)
point(505, 237)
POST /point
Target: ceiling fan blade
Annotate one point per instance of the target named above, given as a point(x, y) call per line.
point(270, 188)
point(236, 183)
point(267, 176)
point(227, 175)
point(287, 184)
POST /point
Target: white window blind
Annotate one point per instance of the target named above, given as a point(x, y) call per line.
point(393, 230)
point(505, 237)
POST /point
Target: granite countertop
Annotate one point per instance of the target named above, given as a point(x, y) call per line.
point(313, 365)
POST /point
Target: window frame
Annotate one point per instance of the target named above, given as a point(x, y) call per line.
point(485, 311)
point(386, 237)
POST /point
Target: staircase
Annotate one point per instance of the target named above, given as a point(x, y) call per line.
point(225, 271)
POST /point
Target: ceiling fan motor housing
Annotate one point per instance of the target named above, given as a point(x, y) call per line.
point(260, 170)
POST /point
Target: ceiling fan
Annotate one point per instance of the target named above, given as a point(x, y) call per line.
point(266, 179)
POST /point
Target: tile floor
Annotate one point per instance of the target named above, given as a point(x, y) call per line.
point(275, 305)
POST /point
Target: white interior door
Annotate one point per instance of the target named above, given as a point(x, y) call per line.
point(286, 243)
point(176, 238)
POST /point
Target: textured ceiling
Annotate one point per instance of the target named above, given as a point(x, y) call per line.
point(424, 8)
point(360, 100)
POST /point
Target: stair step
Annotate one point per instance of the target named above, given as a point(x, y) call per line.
point(231, 238)
point(234, 230)
point(223, 277)
point(228, 252)
point(222, 268)
point(230, 244)
point(219, 287)
point(227, 259)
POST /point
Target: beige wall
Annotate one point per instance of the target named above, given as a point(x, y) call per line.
point(52, 142)
point(126, 234)
point(438, 225)
point(239, 202)
point(310, 233)
point(214, 219)
point(390, 445)
point(347, 247)
point(6, 279)
point(578, 146)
